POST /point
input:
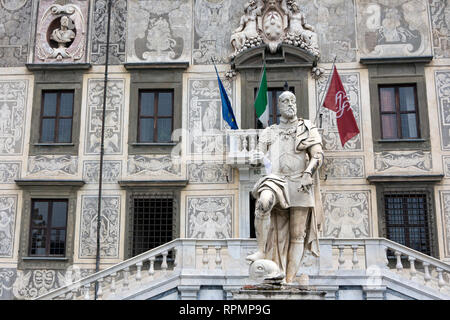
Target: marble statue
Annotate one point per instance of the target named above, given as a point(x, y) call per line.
point(247, 30)
point(288, 211)
point(63, 36)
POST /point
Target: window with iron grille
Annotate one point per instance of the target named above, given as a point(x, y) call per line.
point(398, 110)
point(407, 220)
point(56, 116)
point(155, 116)
point(153, 222)
point(48, 228)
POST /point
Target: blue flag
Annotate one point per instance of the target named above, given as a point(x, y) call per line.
point(227, 111)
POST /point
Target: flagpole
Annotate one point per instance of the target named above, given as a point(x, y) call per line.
point(326, 90)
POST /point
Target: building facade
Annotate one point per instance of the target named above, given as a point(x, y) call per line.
point(172, 169)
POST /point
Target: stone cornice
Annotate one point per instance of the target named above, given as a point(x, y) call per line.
point(156, 65)
point(57, 66)
point(153, 183)
point(405, 178)
point(49, 183)
point(384, 60)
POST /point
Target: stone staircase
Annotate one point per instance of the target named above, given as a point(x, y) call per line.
point(365, 269)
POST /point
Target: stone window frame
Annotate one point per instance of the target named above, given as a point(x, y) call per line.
point(290, 64)
point(399, 71)
point(155, 115)
point(44, 190)
point(56, 77)
point(48, 228)
point(151, 189)
point(412, 187)
point(154, 76)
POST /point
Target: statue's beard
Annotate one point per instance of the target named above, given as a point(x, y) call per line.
point(288, 114)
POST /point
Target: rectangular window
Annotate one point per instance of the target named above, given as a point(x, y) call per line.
point(155, 118)
point(272, 98)
point(153, 222)
point(48, 228)
point(407, 220)
point(398, 110)
point(56, 116)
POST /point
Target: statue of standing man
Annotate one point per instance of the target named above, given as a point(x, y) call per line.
point(288, 214)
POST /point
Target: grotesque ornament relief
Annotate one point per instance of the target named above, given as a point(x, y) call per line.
point(13, 96)
point(159, 31)
point(210, 217)
point(273, 22)
point(9, 171)
point(7, 224)
point(205, 172)
point(61, 32)
point(442, 80)
point(109, 227)
point(393, 28)
point(445, 200)
point(31, 284)
point(111, 171)
point(342, 168)
point(113, 119)
point(118, 32)
point(204, 116)
point(154, 166)
point(401, 161)
point(15, 29)
point(440, 21)
point(7, 279)
point(346, 214)
point(52, 165)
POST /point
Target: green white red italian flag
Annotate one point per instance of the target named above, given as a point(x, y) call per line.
point(261, 101)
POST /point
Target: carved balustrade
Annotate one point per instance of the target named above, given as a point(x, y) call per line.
point(369, 259)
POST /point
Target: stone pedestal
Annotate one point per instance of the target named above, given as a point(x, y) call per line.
point(273, 292)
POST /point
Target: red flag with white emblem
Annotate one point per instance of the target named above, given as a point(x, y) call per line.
point(337, 100)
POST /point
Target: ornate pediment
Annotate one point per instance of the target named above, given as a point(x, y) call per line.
point(273, 23)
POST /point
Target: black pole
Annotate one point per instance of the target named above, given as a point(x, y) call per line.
point(102, 148)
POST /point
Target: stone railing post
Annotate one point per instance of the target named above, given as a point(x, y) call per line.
point(326, 256)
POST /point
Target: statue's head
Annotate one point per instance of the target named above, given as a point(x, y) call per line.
point(287, 104)
point(65, 21)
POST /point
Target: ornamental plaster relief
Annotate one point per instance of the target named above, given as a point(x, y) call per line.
point(15, 30)
point(61, 31)
point(210, 173)
point(393, 28)
point(115, 102)
point(9, 171)
point(13, 99)
point(445, 205)
point(159, 31)
point(403, 161)
point(155, 166)
point(446, 162)
point(346, 214)
point(342, 168)
point(7, 279)
point(214, 21)
point(440, 22)
point(334, 21)
point(442, 81)
point(205, 122)
point(209, 217)
point(51, 165)
point(118, 32)
point(8, 205)
point(110, 227)
point(112, 171)
point(31, 284)
point(330, 136)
